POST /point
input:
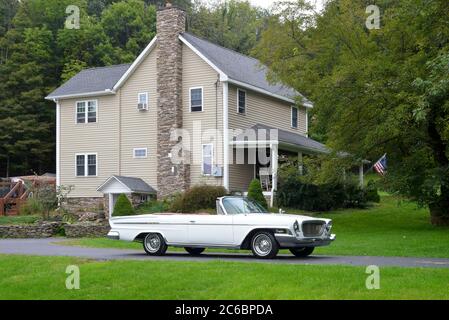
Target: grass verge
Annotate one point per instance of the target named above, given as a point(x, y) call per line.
point(30, 277)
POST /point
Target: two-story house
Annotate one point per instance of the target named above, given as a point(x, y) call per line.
point(118, 127)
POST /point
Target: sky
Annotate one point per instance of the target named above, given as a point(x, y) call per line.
point(268, 3)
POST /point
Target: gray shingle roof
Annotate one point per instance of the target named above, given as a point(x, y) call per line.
point(286, 137)
point(91, 80)
point(240, 67)
point(136, 185)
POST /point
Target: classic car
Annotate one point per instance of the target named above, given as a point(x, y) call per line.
point(239, 223)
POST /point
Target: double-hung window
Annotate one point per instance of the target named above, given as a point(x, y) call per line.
point(196, 99)
point(294, 117)
point(241, 101)
point(207, 159)
point(86, 165)
point(86, 111)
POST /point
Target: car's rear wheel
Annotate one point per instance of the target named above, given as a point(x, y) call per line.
point(264, 245)
point(302, 252)
point(194, 251)
point(154, 244)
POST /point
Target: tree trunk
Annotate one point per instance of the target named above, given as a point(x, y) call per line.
point(439, 210)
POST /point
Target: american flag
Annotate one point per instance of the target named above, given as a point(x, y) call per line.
point(381, 165)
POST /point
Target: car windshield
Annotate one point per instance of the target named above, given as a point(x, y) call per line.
point(242, 206)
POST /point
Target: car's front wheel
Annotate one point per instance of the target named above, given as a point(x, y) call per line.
point(302, 252)
point(154, 244)
point(194, 251)
point(264, 245)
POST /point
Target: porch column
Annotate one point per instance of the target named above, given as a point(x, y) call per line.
point(361, 175)
point(111, 204)
point(300, 164)
point(274, 171)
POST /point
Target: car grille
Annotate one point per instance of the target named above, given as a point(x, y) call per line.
point(312, 229)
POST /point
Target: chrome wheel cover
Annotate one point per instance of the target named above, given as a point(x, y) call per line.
point(262, 245)
point(152, 243)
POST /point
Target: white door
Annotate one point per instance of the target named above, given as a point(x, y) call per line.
point(211, 229)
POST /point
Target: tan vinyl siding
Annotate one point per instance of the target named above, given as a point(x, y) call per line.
point(240, 175)
point(100, 138)
point(197, 73)
point(264, 110)
point(139, 128)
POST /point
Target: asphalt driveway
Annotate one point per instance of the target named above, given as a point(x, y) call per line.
point(47, 247)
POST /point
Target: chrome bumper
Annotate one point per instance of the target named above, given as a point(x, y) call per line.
point(114, 235)
point(289, 241)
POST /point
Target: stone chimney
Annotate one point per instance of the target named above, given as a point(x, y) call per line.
point(171, 21)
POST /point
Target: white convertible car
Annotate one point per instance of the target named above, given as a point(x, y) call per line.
point(239, 224)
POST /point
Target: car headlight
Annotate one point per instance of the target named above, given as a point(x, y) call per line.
point(329, 226)
point(296, 227)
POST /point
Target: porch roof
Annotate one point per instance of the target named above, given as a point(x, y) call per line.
point(127, 185)
point(286, 138)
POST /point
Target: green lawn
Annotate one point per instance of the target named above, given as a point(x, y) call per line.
point(391, 228)
point(18, 219)
point(28, 277)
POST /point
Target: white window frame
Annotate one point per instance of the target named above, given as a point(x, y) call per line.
point(86, 111)
point(190, 99)
point(297, 117)
point(211, 158)
point(86, 165)
point(238, 102)
point(140, 157)
point(141, 94)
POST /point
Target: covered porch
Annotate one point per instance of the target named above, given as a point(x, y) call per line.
point(259, 151)
point(137, 190)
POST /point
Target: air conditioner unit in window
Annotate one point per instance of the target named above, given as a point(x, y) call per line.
point(217, 171)
point(142, 107)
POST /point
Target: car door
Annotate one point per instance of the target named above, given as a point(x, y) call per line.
point(211, 230)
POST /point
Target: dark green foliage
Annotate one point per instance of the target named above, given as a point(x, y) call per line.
point(197, 198)
point(374, 91)
point(153, 206)
point(255, 193)
point(372, 194)
point(37, 54)
point(123, 207)
point(293, 193)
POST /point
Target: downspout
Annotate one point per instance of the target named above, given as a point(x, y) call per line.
point(225, 137)
point(58, 142)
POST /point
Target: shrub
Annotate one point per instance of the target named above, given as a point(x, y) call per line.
point(31, 207)
point(255, 193)
point(372, 194)
point(196, 198)
point(154, 206)
point(294, 193)
point(123, 206)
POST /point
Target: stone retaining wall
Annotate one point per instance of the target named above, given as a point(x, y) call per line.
point(86, 229)
point(38, 230)
point(51, 229)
